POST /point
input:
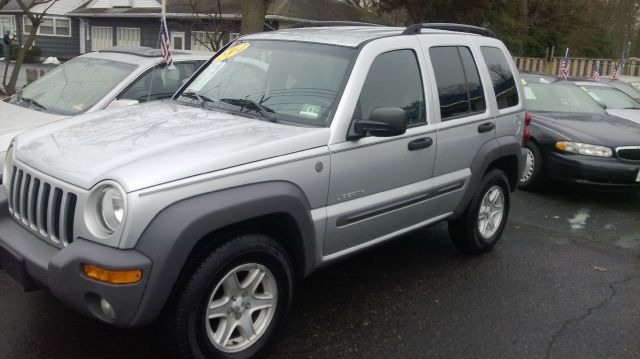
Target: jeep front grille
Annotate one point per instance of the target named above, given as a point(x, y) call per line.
point(630, 153)
point(45, 209)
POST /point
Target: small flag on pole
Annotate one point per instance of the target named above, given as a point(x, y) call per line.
point(564, 69)
point(164, 38)
point(596, 72)
point(616, 71)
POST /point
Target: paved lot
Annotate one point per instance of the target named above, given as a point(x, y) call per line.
point(564, 283)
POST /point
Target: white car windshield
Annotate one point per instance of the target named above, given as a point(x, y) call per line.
point(74, 87)
point(290, 82)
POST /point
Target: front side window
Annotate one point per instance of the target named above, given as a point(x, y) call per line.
point(159, 83)
point(74, 86)
point(394, 80)
point(459, 86)
point(281, 81)
point(502, 79)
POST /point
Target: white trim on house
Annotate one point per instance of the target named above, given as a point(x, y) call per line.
point(54, 22)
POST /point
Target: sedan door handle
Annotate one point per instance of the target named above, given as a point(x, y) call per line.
point(420, 143)
point(486, 127)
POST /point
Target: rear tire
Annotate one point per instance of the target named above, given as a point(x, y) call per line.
point(532, 174)
point(479, 228)
point(233, 303)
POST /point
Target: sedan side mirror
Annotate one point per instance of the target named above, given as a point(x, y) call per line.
point(123, 102)
point(383, 122)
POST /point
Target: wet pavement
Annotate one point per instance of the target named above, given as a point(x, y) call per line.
point(563, 283)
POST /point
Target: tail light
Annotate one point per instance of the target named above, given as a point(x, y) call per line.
point(526, 135)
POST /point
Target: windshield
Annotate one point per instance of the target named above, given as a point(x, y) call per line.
point(626, 88)
point(74, 87)
point(611, 97)
point(544, 96)
point(277, 80)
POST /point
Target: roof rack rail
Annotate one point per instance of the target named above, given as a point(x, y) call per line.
point(416, 28)
point(304, 24)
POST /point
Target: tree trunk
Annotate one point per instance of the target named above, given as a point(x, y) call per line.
point(253, 15)
point(10, 88)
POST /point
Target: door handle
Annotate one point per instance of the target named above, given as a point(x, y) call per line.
point(420, 143)
point(486, 127)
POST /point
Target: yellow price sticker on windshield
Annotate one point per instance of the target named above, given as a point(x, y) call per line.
point(523, 81)
point(231, 52)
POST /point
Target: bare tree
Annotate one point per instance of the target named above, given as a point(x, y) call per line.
point(209, 18)
point(3, 3)
point(36, 19)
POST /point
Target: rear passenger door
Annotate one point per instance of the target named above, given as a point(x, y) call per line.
point(465, 122)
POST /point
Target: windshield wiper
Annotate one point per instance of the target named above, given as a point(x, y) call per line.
point(33, 102)
point(201, 98)
point(261, 109)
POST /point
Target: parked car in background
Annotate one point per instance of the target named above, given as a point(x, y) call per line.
point(573, 139)
point(613, 100)
point(627, 84)
point(287, 151)
point(110, 78)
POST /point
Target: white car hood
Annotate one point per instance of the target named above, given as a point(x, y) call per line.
point(630, 114)
point(15, 119)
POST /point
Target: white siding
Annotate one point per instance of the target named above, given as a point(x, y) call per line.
point(101, 38)
point(128, 37)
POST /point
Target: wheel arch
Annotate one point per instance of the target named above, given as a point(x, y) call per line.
point(184, 230)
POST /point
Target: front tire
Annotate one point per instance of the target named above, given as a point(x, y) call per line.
point(481, 225)
point(233, 303)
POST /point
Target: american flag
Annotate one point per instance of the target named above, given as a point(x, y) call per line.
point(596, 72)
point(165, 44)
point(616, 72)
point(564, 70)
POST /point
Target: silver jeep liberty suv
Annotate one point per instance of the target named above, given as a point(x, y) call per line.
point(286, 151)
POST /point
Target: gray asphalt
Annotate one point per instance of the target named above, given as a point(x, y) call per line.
point(563, 283)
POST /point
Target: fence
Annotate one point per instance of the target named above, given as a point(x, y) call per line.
point(577, 66)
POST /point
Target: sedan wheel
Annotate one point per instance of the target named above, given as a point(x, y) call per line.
point(532, 174)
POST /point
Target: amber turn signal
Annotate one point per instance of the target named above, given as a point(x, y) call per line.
point(112, 276)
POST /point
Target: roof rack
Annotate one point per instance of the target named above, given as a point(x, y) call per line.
point(416, 28)
point(304, 24)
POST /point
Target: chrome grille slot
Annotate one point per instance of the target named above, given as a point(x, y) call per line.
point(46, 209)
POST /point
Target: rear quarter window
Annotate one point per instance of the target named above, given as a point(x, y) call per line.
point(504, 85)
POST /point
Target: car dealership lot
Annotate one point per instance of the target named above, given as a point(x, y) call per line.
point(563, 283)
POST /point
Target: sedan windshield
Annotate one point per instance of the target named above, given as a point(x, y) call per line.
point(74, 87)
point(277, 81)
point(611, 97)
point(545, 96)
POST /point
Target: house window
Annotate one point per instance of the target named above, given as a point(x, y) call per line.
point(7, 23)
point(233, 36)
point(128, 37)
point(101, 37)
point(203, 40)
point(50, 26)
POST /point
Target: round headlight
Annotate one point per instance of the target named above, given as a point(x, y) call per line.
point(110, 207)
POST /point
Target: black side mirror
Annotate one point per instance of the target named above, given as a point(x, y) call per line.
point(383, 122)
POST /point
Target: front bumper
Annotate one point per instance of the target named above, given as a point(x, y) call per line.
point(594, 171)
point(33, 263)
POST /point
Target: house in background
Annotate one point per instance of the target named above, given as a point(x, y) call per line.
point(74, 27)
point(58, 34)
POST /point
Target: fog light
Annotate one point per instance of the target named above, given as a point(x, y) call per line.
point(107, 310)
point(112, 276)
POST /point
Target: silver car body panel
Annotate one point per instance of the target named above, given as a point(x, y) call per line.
point(627, 114)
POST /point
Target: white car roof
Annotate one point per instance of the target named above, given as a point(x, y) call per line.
point(145, 55)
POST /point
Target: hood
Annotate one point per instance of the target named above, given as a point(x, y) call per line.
point(629, 114)
point(16, 119)
point(595, 129)
point(154, 143)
